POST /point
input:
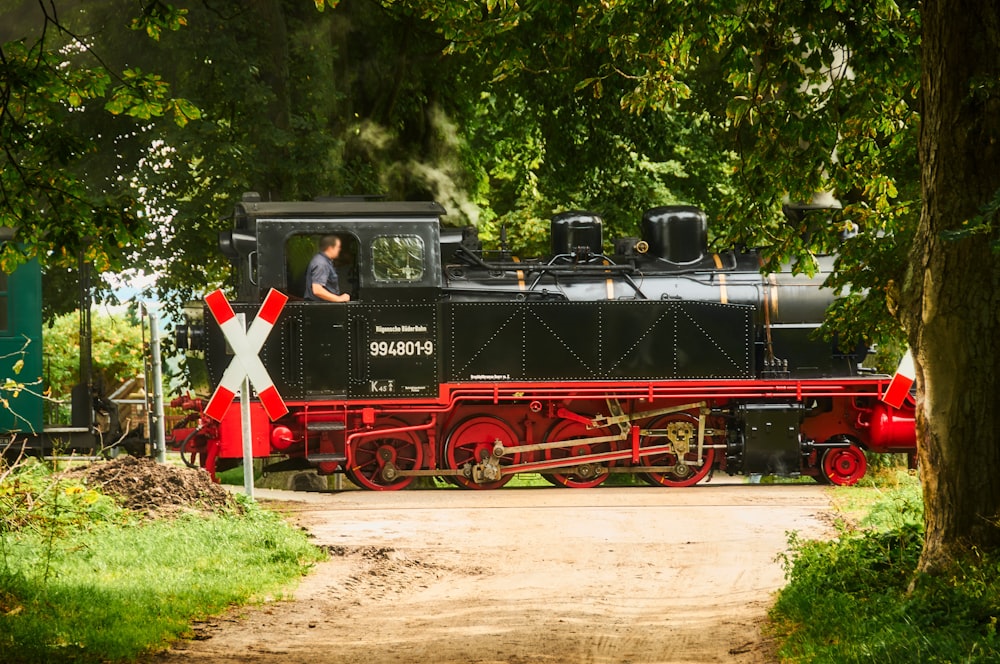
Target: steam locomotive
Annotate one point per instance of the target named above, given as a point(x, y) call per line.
point(660, 359)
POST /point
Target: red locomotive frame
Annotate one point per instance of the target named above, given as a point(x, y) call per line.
point(383, 445)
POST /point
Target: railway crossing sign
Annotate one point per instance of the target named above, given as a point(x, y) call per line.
point(896, 393)
point(246, 364)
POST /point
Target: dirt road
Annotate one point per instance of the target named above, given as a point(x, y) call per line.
point(525, 576)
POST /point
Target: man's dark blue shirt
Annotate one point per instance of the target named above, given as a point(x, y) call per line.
point(321, 271)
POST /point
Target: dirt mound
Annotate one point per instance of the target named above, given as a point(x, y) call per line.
point(146, 486)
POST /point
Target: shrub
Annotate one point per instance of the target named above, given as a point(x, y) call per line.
point(849, 599)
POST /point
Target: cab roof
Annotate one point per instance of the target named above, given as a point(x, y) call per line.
point(349, 208)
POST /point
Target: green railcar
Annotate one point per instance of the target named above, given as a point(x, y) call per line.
point(21, 381)
point(94, 426)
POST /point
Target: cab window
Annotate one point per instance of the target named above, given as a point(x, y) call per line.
point(398, 258)
point(299, 250)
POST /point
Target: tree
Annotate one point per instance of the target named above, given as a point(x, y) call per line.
point(294, 105)
point(366, 98)
point(52, 85)
point(950, 297)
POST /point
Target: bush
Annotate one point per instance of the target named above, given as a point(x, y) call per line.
point(849, 599)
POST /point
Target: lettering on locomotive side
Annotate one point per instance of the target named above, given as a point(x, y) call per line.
point(398, 329)
point(382, 386)
point(400, 348)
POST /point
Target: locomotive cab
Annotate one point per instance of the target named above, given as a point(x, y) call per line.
point(389, 250)
point(383, 342)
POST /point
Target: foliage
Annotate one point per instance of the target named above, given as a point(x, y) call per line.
point(729, 106)
point(849, 599)
point(780, 101)
point(51, 188)
point(294, 104)
point(372, 98)
point(76, 569)
point(116, 351)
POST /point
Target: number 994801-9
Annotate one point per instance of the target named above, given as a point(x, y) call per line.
point(400, 348)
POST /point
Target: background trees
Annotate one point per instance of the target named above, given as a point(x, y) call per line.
point(66, 119)
point(116, 353)
point(369, 97)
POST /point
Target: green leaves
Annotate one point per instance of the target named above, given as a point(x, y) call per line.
point(116, 350)
point(58, 109)
point(159, 16)
point(145, 96)
point(184, 111)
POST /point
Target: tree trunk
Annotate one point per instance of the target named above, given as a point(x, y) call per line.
point(951, 304)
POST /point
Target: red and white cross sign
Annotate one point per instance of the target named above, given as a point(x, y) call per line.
point(896, 393)
point(246, 345)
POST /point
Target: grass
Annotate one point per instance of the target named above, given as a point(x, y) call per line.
point(849, 599)
point(234, 476)
point(83, 580)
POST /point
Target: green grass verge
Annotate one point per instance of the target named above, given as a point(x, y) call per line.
point(84, 581)
point(848, 599)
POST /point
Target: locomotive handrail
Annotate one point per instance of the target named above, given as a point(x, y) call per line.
point(557, 266)
point(560, 270)
point(544, 293)
point(551, 265)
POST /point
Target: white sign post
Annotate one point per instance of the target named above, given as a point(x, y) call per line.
point(245, 426)
point(246, 369)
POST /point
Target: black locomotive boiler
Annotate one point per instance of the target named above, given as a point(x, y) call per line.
point(660, 359)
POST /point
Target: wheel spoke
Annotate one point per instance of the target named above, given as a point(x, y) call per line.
point(570, 430)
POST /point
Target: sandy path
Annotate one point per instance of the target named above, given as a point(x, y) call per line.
point(610, 575)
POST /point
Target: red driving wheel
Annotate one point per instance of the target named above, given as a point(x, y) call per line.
point(472, 442)
point(687, 471)
point(844, 466)
point(370, 458)
point(589, 474)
